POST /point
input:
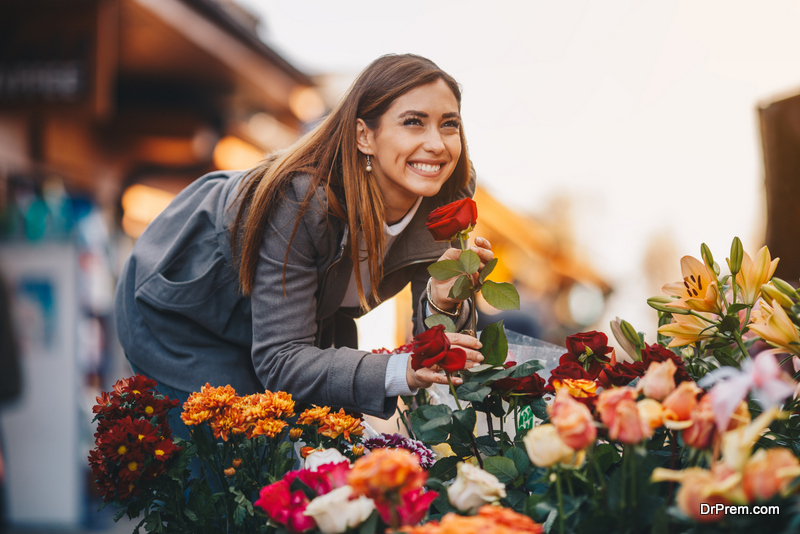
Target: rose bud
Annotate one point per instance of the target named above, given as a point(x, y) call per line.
point(699, 435)
point(546, 448)
point(474, 488)
point(659, 380)
point(573, 420)
point(229, 472)
point(679, 404)
point(447, 222)
point(769, 472)
point(651, 412)
point(237, 463)
point(429, 344)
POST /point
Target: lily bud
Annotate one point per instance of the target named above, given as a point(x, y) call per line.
point(630, 333)
point(660, 304)
point(632, 349)
point(771, 293)
point(784, 287)
point(705, 252)
point(737, 252)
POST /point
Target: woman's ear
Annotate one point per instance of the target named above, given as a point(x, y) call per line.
point(363, 137)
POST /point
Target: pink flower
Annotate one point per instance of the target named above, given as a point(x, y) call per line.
point(285, 507)
point(761, 375)
point(411, 511)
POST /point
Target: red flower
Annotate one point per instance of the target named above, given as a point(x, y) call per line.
point(285, 507)
point(528, 386)
point(427, 345)
point(589, 349)
point(413, 507)
point(568, 369)
point(620, 374)
point(327, 477)
point(657, 353)
point(447, 222)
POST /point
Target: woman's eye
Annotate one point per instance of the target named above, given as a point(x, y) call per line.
point(452, 124)
point(413, 121)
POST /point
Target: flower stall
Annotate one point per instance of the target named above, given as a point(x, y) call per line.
point(695, 431)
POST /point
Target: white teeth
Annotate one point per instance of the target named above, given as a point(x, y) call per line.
point(424, 167)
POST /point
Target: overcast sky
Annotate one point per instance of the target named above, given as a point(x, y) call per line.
point(641, 113)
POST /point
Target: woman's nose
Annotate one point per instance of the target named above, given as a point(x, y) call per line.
point(433, 141)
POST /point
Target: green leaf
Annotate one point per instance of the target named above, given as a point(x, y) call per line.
point(370, 525)
point(437, 319)
point(520, 459)
point(445, 269)
point(445, 469)
point(470, 261)
point(495, 344)
point(502, 296)
point(487, 445)
point(464, 424)
point(501, 467)
point(487, 270)
point(525, 369)
point(539, 407)
point(473, 391)
point(432, 433)
point(736, 308)
point(460, 289)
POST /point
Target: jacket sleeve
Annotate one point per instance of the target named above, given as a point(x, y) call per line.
point(284, 354)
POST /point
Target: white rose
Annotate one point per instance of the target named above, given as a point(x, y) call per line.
point(325, 456)
point(334, 512)
point(473, 488)
point(545, 448)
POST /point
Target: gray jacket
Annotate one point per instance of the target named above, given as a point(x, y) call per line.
point(182, 320)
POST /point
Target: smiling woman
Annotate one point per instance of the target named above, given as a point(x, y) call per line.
point(253, 278)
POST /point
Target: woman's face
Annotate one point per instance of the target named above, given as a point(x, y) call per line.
point(415, 147)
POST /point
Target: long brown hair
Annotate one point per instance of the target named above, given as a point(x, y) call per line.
point(329, 156)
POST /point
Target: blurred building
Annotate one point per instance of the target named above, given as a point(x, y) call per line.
point(107, 109)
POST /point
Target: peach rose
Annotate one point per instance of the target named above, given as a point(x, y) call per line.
point(701, 432)
point(769, 472)
point(573, 420)
point(679, 404)
point(659, 380)
point(619, 412)
point(651, 412)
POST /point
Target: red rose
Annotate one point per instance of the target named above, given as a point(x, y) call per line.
point(589, 349)
point(594, 340)
point(451, 360)
point(657, 353)
point(447, 222)
point(620, 374)
point(427, 345)
point(529, 386)
point(566, 370)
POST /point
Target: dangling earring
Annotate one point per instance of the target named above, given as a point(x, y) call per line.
point(369, 165)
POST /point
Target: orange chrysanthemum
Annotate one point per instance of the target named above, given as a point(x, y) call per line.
point(231, 421)
point(203, 405)
point(281, 405)
point(315, 415)
point(386, 472)
point(268, 427)
point(336, 424)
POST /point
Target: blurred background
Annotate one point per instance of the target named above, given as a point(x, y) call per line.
point(610, 138)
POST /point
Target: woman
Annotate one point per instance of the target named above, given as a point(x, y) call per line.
point(253, 278)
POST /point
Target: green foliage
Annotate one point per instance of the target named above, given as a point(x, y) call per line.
point(502, 296)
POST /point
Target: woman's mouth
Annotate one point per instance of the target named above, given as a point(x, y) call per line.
point(426, 167)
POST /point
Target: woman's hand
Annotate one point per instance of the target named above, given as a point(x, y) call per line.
point(441, 289)
point(425, 377)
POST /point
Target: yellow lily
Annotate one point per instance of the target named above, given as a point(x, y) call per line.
point(755, 274)
point(687, 329)
point(736, 444)
point(698, 290)
point(775, 327)
point(770, 293)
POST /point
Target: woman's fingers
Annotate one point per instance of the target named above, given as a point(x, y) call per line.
point(431, 376)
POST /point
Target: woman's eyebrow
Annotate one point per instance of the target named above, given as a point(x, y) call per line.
point(413, 113)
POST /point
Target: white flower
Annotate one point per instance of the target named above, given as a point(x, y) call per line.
point(334, 512)
point(325, 456)
point(473, 488)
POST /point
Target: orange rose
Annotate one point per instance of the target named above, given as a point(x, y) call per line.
point(659, 380)
point(619, 412)
point(701, 432)
point(651, 412)
point(386, 472)
point(769, 472)
point(573, 420)
point(679, 404)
